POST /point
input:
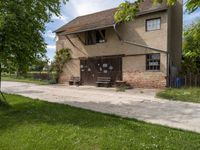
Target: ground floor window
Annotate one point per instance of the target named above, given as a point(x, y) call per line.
point(153, 62)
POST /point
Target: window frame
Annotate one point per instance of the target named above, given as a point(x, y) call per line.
point(146, 28)
point(154, 60)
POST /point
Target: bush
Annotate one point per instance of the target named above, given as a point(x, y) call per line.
point(52, 81)
point(41, 76)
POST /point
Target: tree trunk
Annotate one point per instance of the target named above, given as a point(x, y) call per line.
point(2, 98)
point(1, 102)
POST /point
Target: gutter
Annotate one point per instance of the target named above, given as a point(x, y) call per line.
point(85, 30)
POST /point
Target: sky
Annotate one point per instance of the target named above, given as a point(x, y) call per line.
point(74, 8)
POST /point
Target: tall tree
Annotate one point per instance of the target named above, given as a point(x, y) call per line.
point(127, 11)
point(62, 56)
point(191, 47)
point(22, 24)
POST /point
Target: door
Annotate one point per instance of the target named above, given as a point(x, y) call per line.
point(88, 72)
point(92, 68)
point(110, 67)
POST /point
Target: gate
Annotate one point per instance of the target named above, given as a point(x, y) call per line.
point(109, 66)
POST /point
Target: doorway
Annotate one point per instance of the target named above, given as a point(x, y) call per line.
point(107, 66)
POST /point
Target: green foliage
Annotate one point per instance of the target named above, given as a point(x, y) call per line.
point(127, 11)
point(192, 5)
point(61, 58)
point(30, 124)
point(40, 65)
point(183, 94)
point(169, 2)
point(191, 48)
point(22, 24)
point(13, 78)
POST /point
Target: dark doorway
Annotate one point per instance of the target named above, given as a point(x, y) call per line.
point(109, 66)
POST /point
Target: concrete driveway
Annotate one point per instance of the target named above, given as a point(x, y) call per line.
point(137, 103)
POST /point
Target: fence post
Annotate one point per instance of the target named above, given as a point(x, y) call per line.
point(195, 80)
point(185, 80)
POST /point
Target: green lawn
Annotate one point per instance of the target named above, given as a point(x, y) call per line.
point(27, 80)
point(183, 94)
point(36, 125)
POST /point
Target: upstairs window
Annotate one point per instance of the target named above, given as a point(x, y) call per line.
point(90, 38)
point(100, 36)
point(153, 62)
point(93, 37)
point(153, 24)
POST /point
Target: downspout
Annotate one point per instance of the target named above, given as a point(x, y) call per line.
point(168, 71)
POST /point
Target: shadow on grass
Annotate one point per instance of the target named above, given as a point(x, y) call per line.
point(26, 111)
point(34, 121)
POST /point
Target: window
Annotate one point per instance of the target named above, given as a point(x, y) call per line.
point(100, 36)
point(153, 62)
point(89, 38)
point(153, 24)
point(93, 37)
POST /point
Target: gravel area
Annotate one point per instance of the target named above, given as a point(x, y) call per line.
point(136, 103)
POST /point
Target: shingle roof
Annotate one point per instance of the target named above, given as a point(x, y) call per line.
point(104, 19)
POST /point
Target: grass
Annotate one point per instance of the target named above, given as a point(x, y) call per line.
point(26, 80)
point(183, 94)
point(31, 124)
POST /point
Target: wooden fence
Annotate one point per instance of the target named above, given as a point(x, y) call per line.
point(188, 80)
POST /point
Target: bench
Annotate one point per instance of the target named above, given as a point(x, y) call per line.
point(104, 81)
point(119, 83)
point(75, 81)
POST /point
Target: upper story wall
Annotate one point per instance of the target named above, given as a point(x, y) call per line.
point(134, 31)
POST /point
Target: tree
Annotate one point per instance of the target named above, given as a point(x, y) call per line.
point(192, 5)
point(191, 47)
point(61, 58)
point(39, 65)
point(127, 11)
point(22, 24)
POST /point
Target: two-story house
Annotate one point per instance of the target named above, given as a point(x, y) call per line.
point(145, 52)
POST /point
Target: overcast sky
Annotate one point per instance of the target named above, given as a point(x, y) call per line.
point(75, 8)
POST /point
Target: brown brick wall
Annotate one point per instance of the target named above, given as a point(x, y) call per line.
point(135, 73)
point(145, 79)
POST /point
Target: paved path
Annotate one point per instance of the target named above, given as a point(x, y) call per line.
point(137, 103)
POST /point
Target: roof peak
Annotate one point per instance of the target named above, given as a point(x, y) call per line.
point(102, 11)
